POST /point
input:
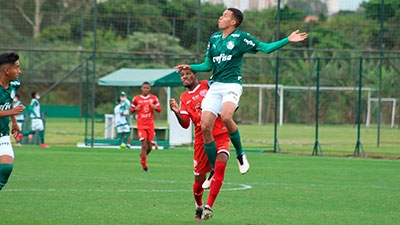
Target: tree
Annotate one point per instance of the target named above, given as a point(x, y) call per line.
point(37, 19)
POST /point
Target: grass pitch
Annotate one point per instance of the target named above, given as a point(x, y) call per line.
point(67, 185)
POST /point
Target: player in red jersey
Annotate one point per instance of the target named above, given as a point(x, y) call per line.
point(190, 109)
point(144, 105)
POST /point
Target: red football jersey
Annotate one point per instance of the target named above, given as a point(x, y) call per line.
point(190, 103)
point(145, 115)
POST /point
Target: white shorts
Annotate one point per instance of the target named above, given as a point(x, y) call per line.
point(123, 129)
point(37, 124)
point(218, 94)
point(6, 147)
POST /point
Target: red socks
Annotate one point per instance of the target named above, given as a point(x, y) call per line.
point(143, 161)
point(198, 192)
point(217, 181)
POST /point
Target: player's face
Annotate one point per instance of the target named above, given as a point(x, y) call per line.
point(188, 78)
point(226, 20)
point(13, 71)
point(146, 89)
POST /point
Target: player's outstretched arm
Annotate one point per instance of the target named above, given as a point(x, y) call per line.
point(295, 36)
point(202, 67)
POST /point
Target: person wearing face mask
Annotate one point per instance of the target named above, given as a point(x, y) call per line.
point(37, 122)
point(126, 105)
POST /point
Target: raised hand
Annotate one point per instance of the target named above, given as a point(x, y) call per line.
point(173, 105)
point(18, 110)
point(182, 67)
point(296, 37)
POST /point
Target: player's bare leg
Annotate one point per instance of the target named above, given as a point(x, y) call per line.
point(228, 109)
point(220, 165)
point(198, 195)
point(143, 154)
point(6, 167)
point(149, 147)
point(207, 125)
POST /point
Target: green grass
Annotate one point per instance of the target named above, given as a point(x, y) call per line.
point(339, 140)
point(67, 185)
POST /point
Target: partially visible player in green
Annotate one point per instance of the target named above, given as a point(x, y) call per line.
point(20, 120)
point(36, 119)
point(123, 129)
point(9, 84)
point(126, 105)
point(224, 56)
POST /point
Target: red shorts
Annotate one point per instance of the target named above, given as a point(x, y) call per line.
point(200, 160)
point(146, 134)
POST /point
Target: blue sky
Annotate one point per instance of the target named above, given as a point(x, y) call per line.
point(349, 4)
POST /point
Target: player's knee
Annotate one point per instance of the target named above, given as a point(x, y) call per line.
point(206, 129)
point(226, 119)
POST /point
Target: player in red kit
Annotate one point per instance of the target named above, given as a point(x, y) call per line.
point(190, 109)
point(144, 106)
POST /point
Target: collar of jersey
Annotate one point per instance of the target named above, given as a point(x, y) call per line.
point(224, 38)
point(195, 89)
point(148, 96)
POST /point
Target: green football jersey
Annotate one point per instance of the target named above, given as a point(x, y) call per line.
point(227, 55)
point(6, 100)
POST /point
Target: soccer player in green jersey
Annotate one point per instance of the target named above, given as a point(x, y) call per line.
point(36, 119)
point(9, 84)
point(225, 56)
point(126, 105)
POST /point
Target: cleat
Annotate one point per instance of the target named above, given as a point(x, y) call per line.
point(243, 164)
point(207, 213)
point(18, 138)
point(145, 170)
point(128, 146)
point(44, 146)
point(199, 212)
point(207, 183)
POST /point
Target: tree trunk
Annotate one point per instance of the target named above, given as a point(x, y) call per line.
point(38, 18)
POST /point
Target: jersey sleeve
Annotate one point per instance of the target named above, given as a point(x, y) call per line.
point(16, 84)
point(185, 113)
point(133, 105)
point(157, 103)
point(273, 46)
point(249, 44)
point(207, 64)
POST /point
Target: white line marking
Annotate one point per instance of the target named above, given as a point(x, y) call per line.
point(238, 188)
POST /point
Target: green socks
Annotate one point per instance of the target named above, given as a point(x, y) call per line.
point(127, 135)
point(119, 137)
point(235, 139)
point(41, 135)
point(5, 171)
point(211, 152)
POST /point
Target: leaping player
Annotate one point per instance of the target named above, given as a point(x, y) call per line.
point(225, 56)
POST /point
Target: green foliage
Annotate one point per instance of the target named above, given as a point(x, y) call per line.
point(59, 34)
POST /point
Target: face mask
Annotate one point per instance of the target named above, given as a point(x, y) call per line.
point(38, 97)
point(123, 98)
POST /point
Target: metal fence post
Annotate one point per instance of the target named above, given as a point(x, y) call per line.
point(317, 146)
point(359, 145)
point(276, 144)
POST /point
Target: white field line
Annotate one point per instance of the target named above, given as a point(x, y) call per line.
point(237, 188)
